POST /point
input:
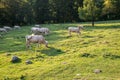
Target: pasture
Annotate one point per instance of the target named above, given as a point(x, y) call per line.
point(67, 58)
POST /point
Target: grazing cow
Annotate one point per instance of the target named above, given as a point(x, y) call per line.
point(3, 30)
point(42, 30)
point(7, 28)
point(37, 25)
point(17, 27)
point(39, 39)
point(75, 29)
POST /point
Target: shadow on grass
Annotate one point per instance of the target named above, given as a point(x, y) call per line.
point(51, 51)
point(88, 36)
point(57, 36)
point(102, 27)
point(88, 55)
point(111, 56)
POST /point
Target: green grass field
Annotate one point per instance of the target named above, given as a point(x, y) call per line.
point(67, 58)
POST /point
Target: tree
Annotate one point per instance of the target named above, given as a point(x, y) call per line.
point(65, 10)
point(111, 9)
point(3, 12)
point(15, 12)
point(60, 10)
point(89, 11)
point(41, 8)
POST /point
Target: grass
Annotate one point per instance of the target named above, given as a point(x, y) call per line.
point(67, 58)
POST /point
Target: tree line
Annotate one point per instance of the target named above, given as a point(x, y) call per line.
point(24, 12)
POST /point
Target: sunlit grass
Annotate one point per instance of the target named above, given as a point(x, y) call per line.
point(67, 58)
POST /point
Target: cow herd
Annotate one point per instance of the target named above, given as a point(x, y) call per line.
point(38, 33)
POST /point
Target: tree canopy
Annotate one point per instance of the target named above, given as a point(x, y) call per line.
point(24, 12)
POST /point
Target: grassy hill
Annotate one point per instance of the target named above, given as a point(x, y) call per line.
point(67, 58)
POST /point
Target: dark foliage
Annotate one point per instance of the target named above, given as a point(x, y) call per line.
point(25, 12)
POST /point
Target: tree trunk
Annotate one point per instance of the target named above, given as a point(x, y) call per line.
point(92, 11)
point(92, 20)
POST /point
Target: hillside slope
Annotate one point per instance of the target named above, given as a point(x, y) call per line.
point(67, 58)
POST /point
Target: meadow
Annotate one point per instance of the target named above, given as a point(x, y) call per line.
point(67, 58)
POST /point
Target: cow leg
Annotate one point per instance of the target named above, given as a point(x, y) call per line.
point(69, 33)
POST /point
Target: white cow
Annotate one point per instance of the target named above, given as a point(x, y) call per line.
point(39, 39)
point(42, 30)
point(3, 30)
point(17, 27)
point(7, 28)
point(75, 29)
